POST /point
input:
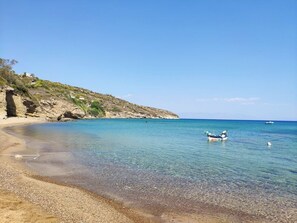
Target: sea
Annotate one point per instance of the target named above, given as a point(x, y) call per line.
point(169, 165)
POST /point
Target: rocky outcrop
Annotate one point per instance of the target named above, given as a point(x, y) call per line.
point(3, 112)
point(75, 114)
point(31, 107)
point(15, 105)
point(60, 109)
point(20, 108)
point(10, 104)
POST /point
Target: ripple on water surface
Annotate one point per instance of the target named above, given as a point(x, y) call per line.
point(169, 163)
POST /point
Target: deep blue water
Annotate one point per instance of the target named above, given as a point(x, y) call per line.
point(167, 160)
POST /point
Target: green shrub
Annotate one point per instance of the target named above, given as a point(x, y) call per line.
point(96, 104)
point(80, 104)
point(41, 83)
point(20, 87)
point(2, 81)
point(93, 112)
point(116, 109)
point(37, 84)
point(96, 109)
point(8, 77)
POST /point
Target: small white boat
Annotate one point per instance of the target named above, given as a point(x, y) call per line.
point(222, 137)
point(269, 122)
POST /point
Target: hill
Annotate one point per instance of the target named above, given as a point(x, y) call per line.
point(26, 95)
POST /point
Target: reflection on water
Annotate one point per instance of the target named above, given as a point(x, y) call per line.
point(170, 164)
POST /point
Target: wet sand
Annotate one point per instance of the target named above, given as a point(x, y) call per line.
point(27, 197)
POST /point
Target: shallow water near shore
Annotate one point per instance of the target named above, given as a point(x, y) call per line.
point(169, 166)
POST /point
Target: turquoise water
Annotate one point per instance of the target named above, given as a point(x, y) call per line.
point(170, 163)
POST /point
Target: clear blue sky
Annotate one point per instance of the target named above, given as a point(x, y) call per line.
point(200, 59)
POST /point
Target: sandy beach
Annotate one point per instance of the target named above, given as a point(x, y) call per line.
point(25, 198)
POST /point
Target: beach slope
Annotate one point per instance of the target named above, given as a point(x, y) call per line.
point(26, 198)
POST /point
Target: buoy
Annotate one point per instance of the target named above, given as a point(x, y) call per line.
point(269, 144)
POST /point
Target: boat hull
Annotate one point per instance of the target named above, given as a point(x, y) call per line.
point(215, 139)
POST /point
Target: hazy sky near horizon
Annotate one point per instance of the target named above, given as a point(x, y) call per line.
point(201, 59)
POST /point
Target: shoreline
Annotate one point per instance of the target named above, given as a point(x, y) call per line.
point(44, 200)
point(58, 201)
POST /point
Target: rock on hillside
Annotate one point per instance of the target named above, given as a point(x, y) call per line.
point(26, 95)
